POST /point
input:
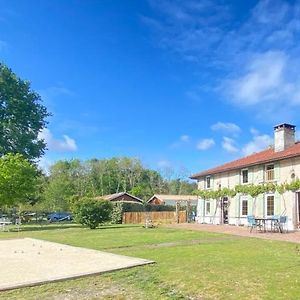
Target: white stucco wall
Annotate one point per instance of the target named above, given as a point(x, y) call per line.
point(283, 204)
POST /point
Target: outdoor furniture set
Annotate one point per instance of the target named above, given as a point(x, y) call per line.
point(272, 223)
point(4, 222)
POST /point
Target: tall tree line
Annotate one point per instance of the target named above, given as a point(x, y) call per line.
point(71, 179)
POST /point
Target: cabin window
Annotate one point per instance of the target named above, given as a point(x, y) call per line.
point(244, 176)
point(269, 172)
point(270, 205)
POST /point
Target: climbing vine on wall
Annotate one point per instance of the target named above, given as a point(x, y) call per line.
point(249, 189)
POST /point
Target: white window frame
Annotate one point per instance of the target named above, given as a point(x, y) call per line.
point(205, 208)
point(244, 198)
point(207, 187)
point(266, 204)
point(266, 179)
point(243, 177)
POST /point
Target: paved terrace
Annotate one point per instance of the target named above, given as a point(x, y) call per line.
point(241, 231)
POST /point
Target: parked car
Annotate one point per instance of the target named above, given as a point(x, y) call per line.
point(59, 216)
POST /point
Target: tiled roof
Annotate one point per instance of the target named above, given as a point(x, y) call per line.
point(112, 197)
point(265, 156)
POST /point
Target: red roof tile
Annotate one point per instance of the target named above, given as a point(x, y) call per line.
point(262, 157)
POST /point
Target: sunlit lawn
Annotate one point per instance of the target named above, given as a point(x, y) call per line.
point(189, 265)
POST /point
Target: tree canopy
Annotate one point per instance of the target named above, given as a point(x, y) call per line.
point(19, 180)
point(22, 116)
point(69, 179)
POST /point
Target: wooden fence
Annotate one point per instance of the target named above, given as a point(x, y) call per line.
point(154, 216)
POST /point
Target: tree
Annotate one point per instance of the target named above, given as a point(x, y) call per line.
point(19, 180)
point(22, 116)
point(92, 212)
point(67, 179)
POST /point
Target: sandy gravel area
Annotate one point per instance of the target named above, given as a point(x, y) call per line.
point(26, 262)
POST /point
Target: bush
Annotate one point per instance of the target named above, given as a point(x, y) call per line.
point(92, 212)
point(116, 215)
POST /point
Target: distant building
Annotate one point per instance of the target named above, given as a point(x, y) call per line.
point(121, 197)
point(159, 199)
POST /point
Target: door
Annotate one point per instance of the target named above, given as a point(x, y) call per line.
point(297, 217)
point(224, 210)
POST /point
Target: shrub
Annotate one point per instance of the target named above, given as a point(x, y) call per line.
point(92, 212)
point(116, 215)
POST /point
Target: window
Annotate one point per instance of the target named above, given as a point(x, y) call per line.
point(207, 182)
point(207, 208)
point(245, 176)
point(244, 206)
point(269, 172)
point(270, 205)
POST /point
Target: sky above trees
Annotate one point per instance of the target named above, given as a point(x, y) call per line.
point(176, 83)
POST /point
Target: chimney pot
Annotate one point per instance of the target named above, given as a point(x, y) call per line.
point(284, 136)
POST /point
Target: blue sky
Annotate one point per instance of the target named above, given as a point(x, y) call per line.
point(180, 84)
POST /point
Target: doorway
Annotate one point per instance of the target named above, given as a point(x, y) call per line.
point(297, 211)
point(224, 210)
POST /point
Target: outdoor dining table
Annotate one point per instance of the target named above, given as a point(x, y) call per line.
point(274, 222)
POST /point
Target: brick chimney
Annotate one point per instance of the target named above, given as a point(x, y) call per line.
point(284, 136)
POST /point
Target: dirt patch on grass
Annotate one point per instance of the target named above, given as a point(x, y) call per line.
point(178, 243)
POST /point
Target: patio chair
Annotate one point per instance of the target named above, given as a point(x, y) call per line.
point(252, 223)
point(275, 223)
point(283, 223)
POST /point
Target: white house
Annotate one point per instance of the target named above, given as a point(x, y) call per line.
point(278, 164)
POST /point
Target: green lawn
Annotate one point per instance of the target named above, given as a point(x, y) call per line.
point(189, 265)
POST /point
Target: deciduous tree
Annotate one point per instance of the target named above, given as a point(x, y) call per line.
point(22, 116)
point(19, 180)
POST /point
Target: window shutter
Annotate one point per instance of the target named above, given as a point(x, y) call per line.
point(200, 207)
point(260, 174)
point(250, 175)
point(277, 204)
point(250, 205)
point(238, 177)
point(259, 205)
point(237, 205)
point(277, 171)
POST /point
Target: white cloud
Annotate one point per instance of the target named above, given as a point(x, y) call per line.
point(257, 58)
point(164, 163)
point(258, 143)
point(263, 80)
point(226, 127)
point(228, 145)
point(184, 25)
point(254, 131)
point(185, 138)
point(54, 91)
point(66, 144)
point(44, 164)
point(205, 144)
point(53, 94)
